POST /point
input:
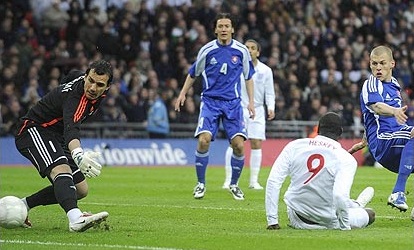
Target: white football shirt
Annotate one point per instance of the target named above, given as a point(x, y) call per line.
point(264, 90)
point(321, 173)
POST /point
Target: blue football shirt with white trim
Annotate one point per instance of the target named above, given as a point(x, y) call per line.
point(222, 68)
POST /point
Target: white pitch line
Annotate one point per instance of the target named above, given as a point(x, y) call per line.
point(171, 206)
point(50, 243)
point(210, 208)
point(390, 217)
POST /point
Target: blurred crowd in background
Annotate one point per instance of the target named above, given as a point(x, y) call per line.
point(318, 50)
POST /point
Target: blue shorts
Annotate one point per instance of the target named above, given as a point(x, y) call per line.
point(390, 146)
point(229, 112)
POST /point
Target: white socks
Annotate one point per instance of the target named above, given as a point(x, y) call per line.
point(255, 162)
point(227, 165)
point(74, 215)
point(25, 203)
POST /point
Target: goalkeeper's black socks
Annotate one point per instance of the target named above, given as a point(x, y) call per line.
point(65, 191)
point(45, 196)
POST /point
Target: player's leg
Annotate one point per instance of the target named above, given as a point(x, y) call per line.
point(233, 123)
point(406, 166)
point(255, 163)
point(208, 124)
point(397, 198)
point(236, 132)
point(46, 196)
point(237, 164)
point(227, 167)
point(361, 217)
point(298, 223)
point(363, 198)
point(229, 153)
point(237, 159)
point(65, 192)
point(37, 145)
point(201, 162)
point(45, 152)
point(81, 184)
point(256, 129)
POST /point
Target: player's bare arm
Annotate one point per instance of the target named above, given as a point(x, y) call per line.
point(358, 146)
point(270, 114)
point(189, 81)
point(250, 93)
point(75, 143)
point(384, 109)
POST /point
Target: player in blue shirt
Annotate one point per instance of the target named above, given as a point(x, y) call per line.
point(221, 64)
point(389, 138)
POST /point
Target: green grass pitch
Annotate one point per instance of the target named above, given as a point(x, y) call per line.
point(153, 208)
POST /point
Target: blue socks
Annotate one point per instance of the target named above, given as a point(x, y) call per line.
point(237, 163)
point(201, 161)
point(406, 166)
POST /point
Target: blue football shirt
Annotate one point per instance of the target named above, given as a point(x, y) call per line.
point(222, 68)
point(379, 127)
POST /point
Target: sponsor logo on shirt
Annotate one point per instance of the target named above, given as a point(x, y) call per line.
point(213, 61)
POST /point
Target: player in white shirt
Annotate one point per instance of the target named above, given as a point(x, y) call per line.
point(321, 173)
point(264, 92)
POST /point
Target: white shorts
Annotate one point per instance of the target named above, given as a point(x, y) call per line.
point(256, 128)
point(358, 218)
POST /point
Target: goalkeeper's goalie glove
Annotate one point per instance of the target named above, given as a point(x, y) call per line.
point(87, 162)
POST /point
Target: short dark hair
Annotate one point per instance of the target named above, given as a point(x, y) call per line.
point(102, 67)
point(255, 42)
point(330, 125)
point(223, 15)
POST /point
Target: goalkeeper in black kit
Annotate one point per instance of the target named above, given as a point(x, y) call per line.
point(48, 135)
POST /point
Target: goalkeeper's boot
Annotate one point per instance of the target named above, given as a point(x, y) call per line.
point(365, 196)
point(397, 200)
point(86, 221)
point(199, 190)
point(27, 223)
point(236, 192)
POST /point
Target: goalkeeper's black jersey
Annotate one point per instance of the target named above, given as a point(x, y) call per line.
point(63, 109)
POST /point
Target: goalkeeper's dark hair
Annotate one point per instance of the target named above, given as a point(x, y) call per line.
point(330, 125)
point(102, 67)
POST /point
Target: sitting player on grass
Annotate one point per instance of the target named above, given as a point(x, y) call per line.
point(321, 173)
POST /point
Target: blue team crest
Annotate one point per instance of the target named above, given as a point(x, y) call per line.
point(234, 59)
